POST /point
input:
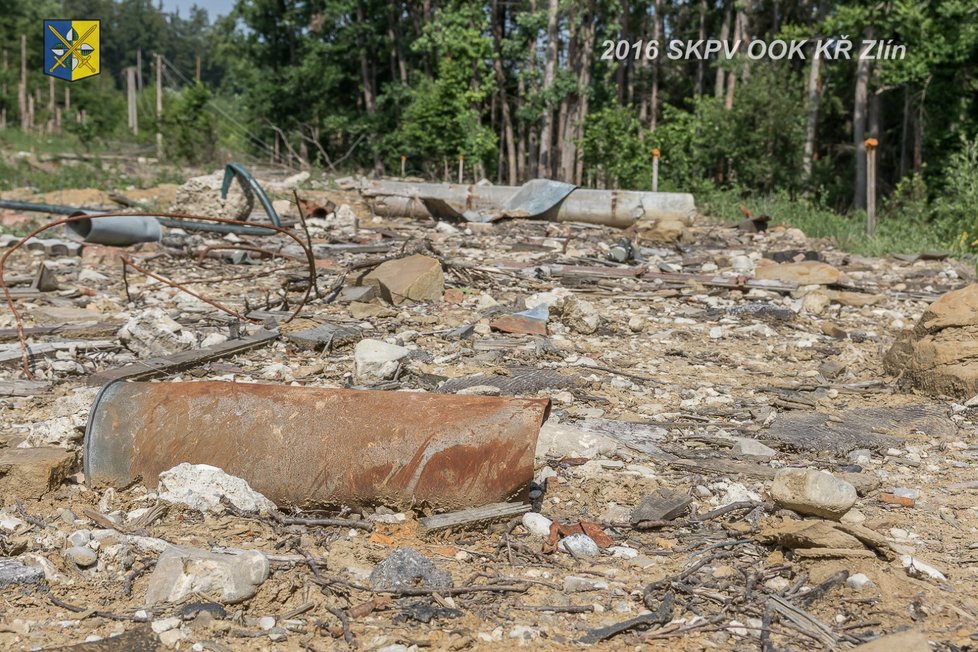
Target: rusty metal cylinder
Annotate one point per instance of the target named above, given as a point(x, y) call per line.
point(313, 447)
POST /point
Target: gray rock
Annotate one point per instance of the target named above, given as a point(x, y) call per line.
point(80, 537)
point(579, 545)
point(13, 572)
point(324, 335)
point(406, 567)
point(746, 446)
point(581, 316)
point(574, 584)
point(807, 491)
point(81, 555)
point(181, 571)
point(374, 360)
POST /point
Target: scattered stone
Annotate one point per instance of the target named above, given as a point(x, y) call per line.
point(859, 581)
point(151, 332)
point(940, 354)
point(662, 505)
point(537, 524)
point(908, 641)
point(202, 487)
point(414, 278)
point(808, 272)
point(580, 316)
point(746, 446)
point(558, 440)
point(266, 622)
point(666, 230)
point(13, 573)
point(918, 569)
point(574, 584)
point(579, 545)
point(202, 196)
point(374, 360)
point(324, 336)
point(406, 567)
point(29, 473)
point(807, 491)
point(82, 556)
point(182, 571)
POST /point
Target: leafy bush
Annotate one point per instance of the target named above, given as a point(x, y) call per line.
point(189, 129)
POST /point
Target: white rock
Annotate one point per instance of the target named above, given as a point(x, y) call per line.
point(559, 440)
point(151, 332)
point(80, 538)
point(917, 568)
point(747, 446)
point(636, 324)
point(574, 584)
point(202, 486)
point(537, 524)
point(165, 624)
point(579, 545)
point(374, 360)
point(859, 581)
point(807, 491)
point(266, 622)
point(181, 571)
point(171, 637)
point(623, 552)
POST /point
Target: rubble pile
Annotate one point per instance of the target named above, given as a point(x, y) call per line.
point(754, 440)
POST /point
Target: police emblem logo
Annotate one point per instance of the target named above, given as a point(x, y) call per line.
point(71, 49)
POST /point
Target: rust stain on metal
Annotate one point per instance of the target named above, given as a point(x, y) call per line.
point(309, 447)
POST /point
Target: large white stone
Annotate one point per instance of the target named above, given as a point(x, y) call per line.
point(182, 571)
point(808, 491)
point(202, 486)
point(375, 360)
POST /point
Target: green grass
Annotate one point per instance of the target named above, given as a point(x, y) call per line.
point(893, 235)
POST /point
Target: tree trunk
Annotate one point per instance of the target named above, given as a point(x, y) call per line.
point(656, 35)
point(545, 166)
point(588, 32)
point(859, 131)
point(811, 120)
point(369, 95)
point(700, 62)
point(732, 75)
point(498, 20)
point(724, 35)
point(904, 130)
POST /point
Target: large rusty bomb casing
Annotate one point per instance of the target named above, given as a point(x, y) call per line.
point(315, 447)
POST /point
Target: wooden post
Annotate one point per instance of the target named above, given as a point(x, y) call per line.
point(197, 74)
point(159, 106)
point(139, 69)
point(131, 94)
point(22, 86)
point(67, 98)
point(655, 169)
point(51, 94)
point(461, 167)
point(871, 144)
point(57, 119)
point(403, 161)
point(30, 112)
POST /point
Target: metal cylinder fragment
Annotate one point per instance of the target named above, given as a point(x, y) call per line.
point(314, 447)
point(116, 231)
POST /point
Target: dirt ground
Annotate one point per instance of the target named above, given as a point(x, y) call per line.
point(685, 357)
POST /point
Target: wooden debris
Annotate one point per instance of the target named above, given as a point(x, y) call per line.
point(476, 515)
point(155, 367)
